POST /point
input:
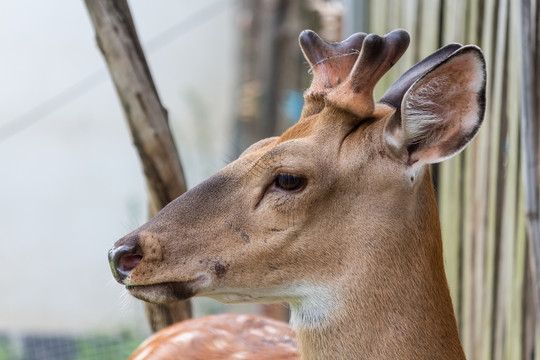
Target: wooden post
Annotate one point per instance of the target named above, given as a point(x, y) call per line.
point(528, 149)
point(147, 118)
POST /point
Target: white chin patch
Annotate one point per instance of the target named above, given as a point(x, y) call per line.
point(148, 294)
point(313, 307)
point(233, 298)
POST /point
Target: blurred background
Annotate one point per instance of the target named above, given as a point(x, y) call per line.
point(230, 72)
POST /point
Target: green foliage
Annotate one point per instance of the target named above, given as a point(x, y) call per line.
point(107, 348)
point(91, 347)
point(7, 351)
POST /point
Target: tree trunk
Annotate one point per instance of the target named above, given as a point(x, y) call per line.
point(147, 118)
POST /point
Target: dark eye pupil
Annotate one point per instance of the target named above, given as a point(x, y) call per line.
point(289, 182)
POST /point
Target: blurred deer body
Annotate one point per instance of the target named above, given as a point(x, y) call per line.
point(337, 216)
point(221, 337)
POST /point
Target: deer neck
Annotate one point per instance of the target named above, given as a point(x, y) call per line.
point(399, 307)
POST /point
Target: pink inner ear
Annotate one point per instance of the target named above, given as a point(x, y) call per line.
point(442, 112)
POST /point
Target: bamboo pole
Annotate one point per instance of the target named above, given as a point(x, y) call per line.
point(493, 340)
point(472, 165)
point(509, 315)
point(528, 149)
point(147, 118)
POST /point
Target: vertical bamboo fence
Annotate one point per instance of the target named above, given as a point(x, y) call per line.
point(488, 194)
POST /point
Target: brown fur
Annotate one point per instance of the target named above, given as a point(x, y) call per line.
point(356, 251)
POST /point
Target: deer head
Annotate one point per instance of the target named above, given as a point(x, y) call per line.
point(337, 216)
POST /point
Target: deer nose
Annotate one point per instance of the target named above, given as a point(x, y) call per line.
point(123, 259)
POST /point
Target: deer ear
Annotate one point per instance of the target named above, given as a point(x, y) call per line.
point(442, 111)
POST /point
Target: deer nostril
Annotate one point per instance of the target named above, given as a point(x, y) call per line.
point(128, 262)
point(124, 259)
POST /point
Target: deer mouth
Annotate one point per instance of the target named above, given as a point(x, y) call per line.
point(167, 292)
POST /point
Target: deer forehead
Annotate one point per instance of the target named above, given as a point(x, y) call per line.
point(323, 141)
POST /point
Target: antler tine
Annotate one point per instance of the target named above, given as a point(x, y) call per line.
point(331, 62)
point(378, 55)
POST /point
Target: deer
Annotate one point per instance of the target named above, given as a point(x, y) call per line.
point(337, 216)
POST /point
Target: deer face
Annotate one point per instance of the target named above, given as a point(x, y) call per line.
point(270, 218)
point(332, 196)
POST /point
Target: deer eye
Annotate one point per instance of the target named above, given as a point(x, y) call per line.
point(289, 182)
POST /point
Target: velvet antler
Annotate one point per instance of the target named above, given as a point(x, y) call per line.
point(377, 56)
point(331, 63)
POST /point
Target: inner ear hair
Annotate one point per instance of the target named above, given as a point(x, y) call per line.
point(442, 111)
